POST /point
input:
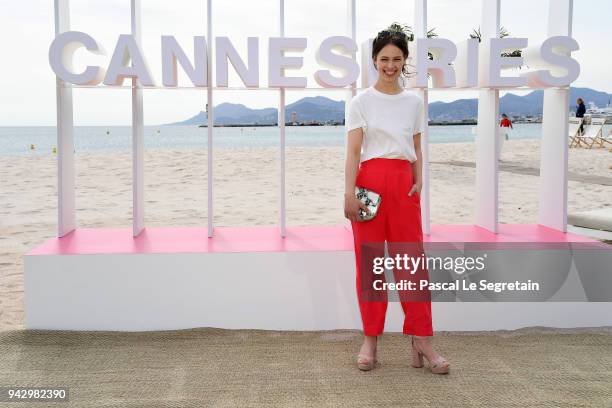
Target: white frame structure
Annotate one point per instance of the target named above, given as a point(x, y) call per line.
point(554, 154)
point(554, 149)
point(487, 177)
point(420, 31)
point(66, 217)
point(281, 125)
point(137, 131)
point(210, 117)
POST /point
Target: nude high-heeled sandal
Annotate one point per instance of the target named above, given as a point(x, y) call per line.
point(417, 358)
point(366, 364)
point(438, 366)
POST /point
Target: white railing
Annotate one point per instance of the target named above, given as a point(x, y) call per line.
point(553, 175)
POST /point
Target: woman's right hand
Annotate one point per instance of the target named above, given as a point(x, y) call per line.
point(351, 207)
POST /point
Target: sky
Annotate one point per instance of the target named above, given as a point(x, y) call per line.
point(27, 83)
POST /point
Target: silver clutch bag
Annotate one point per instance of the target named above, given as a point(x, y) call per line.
point(371, 199)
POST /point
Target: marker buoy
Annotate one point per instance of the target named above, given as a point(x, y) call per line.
point(32, 147)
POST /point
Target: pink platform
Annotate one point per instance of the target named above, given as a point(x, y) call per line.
point(267, 239)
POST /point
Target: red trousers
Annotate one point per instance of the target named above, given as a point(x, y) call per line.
point(398, 221)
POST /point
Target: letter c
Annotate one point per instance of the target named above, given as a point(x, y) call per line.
point(61, 52)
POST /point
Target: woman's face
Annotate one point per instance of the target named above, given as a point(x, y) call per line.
point(389, 63)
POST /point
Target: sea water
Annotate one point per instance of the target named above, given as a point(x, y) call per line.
point(18, 140)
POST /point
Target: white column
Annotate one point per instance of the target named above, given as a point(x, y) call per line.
point(554, 149)
point(351, 31)
point(351, 28)
point(66, 220)
point(210, 116)
point(137, 133)
point(420, 31)
point(281, 124)
point(487, 178)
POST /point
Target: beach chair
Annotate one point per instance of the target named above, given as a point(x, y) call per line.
point(592, 133)
point(574, 127)
point(605, 140)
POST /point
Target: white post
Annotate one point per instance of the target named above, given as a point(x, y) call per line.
point(486, 134)
point(281, 124)
point(137, 133)
point(420, 31)
point(66, 220)
point(351, 27)
point(554, 149)
point(351, 30)
point(210, 117)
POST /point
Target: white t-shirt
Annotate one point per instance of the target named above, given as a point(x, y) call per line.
point(389, 123)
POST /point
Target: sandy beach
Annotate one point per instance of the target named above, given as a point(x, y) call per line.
point(246, 193)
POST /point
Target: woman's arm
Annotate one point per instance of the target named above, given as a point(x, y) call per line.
point(353, 153)
point(417, 166)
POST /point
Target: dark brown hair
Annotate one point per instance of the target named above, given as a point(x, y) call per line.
point(395, 37)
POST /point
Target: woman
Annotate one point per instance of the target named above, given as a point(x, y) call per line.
point(504, 125)
point(580, 111)
point(384, 125)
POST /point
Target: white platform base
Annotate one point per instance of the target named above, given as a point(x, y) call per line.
point(294, 290)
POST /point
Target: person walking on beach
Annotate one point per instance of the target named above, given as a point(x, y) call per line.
point(504, 125)
point(384, 125)
point(505, 122)
point(580, 111)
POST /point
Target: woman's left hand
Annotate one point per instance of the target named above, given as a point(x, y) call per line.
point(416, 188)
